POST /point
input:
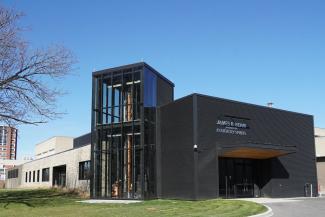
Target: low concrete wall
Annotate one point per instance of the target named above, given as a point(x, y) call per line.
point(321, 176)
point(2, 184)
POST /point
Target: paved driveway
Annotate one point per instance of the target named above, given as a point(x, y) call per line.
point(295, 207)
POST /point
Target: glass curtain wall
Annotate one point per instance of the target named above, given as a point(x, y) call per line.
point(150, 104)
point(123, 134)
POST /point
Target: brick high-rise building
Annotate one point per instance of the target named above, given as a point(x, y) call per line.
point(8, 143)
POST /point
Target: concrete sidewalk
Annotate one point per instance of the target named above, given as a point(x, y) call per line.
point(263, 200)
point(293, 207)
point(111, 201)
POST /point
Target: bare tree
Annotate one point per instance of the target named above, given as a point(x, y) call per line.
point(25, 94)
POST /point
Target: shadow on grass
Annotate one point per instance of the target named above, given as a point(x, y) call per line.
point(36, 198)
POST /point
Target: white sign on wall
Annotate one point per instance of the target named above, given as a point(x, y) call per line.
point(231, 127)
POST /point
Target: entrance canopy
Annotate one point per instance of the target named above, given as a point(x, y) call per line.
point(256, 151)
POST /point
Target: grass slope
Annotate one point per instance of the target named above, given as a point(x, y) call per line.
point(53, 202)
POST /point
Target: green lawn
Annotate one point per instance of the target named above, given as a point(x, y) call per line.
point(25, 203)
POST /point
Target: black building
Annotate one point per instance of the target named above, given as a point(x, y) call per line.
point(146, 145)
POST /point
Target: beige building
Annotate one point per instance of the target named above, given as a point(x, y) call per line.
point(7, 164)
point(61, 161)
point(320, 156)
point(53, 145)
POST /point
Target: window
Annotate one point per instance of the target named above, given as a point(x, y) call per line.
point(150, 89)
point(12, 174)
point(37, 175)
point(45, 174)
point(84, 170)
point(34, 176)
point(30, 176)
point(26, 176)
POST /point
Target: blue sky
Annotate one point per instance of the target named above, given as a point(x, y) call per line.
point(251, 51)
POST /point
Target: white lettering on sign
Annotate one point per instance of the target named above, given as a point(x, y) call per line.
point(231, 127)
point(235, 132)
point(231, 124)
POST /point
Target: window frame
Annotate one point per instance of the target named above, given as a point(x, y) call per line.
point(47, 177)
point(13, 174)
point(83, 174)
point(38, 173)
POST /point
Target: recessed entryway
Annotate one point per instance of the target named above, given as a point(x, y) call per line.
point(59, 176)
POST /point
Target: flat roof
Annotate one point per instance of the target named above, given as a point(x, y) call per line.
point(234, 101)
point(55, 154)
point(144, 64)
point(53, 137)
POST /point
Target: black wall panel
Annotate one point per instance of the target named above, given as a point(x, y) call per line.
point(175, 147)
point(82, 140)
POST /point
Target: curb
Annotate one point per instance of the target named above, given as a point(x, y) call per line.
point(268, 213)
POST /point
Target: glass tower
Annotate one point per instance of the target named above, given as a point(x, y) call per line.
point(124, 102)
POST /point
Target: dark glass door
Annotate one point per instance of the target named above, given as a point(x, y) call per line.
point(244, 182)
point(236, 177)
point(59, 176)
